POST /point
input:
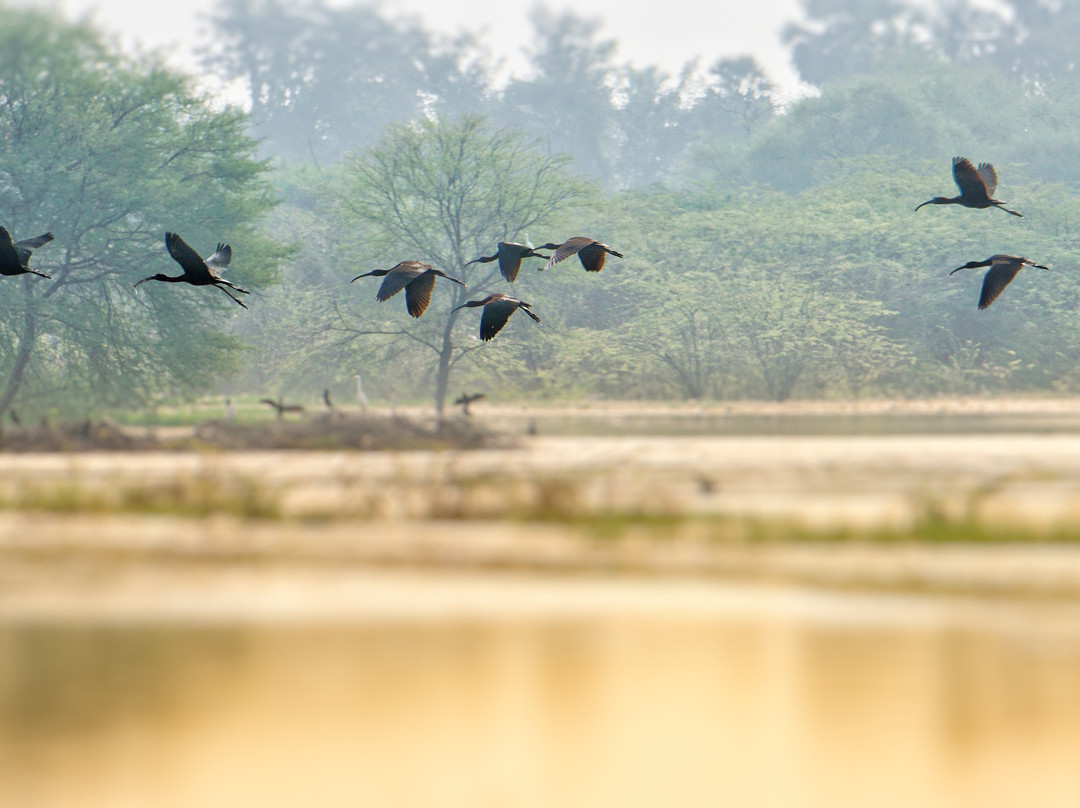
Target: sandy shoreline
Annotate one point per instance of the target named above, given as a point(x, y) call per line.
point(163, 568)
point(186, 533)
point(1027, 481)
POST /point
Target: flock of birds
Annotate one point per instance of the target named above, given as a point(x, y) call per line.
point(415, 277)
point(418, 278)
point(977, 186)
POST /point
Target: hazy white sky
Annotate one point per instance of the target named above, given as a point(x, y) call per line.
point(666, 33)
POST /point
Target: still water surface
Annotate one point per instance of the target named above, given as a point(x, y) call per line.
point(735, 710)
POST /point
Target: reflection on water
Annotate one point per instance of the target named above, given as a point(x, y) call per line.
point(596, 712)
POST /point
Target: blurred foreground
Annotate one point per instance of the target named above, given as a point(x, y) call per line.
point(759, 616)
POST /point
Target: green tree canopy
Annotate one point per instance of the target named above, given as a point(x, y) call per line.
point(108, 153)
point(444, 192)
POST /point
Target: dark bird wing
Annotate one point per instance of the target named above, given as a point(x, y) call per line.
point(418, 293)
point(187, 258)
point(592, 257)
point(568, 248)
point(35, 242)
point(25, 248)
point(510, 264)
point(9, 259)
point(511, 255)
point(1000, 275)
point(219, 259)
point(527, 308)
point(496, 313)
point(989, 177)
point(968, 179)
point(399, 277)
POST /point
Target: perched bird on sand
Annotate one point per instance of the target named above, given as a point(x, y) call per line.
point(280, 407)
point(465, 399)
point(361, 396)
point(1003, 269)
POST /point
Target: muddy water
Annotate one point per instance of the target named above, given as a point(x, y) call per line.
point(411, 649)
point(671, 694)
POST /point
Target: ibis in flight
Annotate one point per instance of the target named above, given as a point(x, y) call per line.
point(198, 271)
point(497, 310)
point(509, 255)
point(415, 277)
point(1003, 269)
point(590, 252)
point(977, 186)
point(15, 257)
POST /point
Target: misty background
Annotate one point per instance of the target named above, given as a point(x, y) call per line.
point(772, 248)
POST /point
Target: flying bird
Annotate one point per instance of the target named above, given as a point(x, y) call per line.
point(198, 271)
point(497, 310)
point(415, 277)
point(590, 251)
point(509, 255)
point(1003, 269)
point(977, 186)
point(465, 399)
point(15, 257)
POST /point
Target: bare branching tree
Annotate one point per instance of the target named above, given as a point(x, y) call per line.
point(445, 192)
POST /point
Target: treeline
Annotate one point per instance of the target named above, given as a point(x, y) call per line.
point(772, 249)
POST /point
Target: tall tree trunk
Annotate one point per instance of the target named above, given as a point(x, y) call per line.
point(442, 377)
point(26, 346)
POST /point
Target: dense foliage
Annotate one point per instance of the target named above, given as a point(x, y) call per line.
point(107, 154)
point(770, 253)
point(772, 247)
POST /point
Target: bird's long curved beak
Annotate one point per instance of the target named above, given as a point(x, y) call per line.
point(144, 280)
point(927, 202)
